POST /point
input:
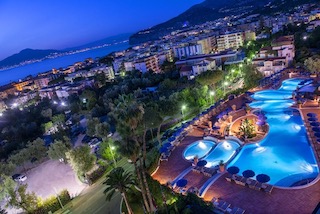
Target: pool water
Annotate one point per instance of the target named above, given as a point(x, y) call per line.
point(285, 153)
point(206, 150)
point(223, 151)
point(199, 148)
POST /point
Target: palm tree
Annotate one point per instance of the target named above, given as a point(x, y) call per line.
point(129, 114)
point(119, 180)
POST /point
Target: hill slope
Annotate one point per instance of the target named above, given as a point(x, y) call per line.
point(208, 10)
point(26, 55)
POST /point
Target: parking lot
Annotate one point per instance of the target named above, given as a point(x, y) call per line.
point(51, 177)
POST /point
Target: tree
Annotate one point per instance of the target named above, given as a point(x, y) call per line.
point(119, 180)
point(88, 98)
point(20, 198)
point(247, 129)
point(20, 158)
point(81, 160)
point(7, 168)
point(7, 184)
point(36, 149)
point(58, 150)
point(91, 126)
point(313, 64)
point(105, 150)
point(58, 119)
point(47, 113)
point(210, 77)
point(251, 76)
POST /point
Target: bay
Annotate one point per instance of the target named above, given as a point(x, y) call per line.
point(14, 74)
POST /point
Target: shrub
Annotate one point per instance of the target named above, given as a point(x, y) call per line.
point(52, 204)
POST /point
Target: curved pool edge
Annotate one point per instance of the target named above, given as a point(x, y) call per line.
point(243, 143)
point(301, 186)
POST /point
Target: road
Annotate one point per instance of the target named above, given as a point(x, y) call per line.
point(92, 200)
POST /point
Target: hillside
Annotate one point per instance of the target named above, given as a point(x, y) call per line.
point(26, 55)
point(208, 10)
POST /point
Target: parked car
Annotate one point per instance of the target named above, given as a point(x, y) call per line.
point(19, 177)
point(94, 143)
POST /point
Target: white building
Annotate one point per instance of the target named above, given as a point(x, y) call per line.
point(186, 50)
point(229, 41)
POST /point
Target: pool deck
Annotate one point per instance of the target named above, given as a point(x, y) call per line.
point(298, 200)
point(293, 201)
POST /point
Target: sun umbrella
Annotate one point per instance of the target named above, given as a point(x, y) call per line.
point(316, 129)
point(171, 138)
point(215, 127)
point(202, 163)
point(315, 124)
point(181, 183)
point(317, 134)
point(263, 178)
point(311, 114)
point(248, 173)
point(313, 119)
point(167, 145)
point(163, 149)
point(233, 170)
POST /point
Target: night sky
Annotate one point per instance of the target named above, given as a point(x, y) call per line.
point(58, 24)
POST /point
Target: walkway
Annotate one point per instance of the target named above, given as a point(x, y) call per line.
point(299, 201)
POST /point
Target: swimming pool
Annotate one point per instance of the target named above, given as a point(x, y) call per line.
point(223, 151)
point(205, 150)
point(285, 153)
point(199, 148)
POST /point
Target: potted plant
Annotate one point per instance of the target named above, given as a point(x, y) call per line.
point(221, 166)
point(234, 107)
point(248, 109)
point(299, 103)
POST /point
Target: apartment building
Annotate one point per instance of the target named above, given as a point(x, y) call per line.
point(148, 63)
point(229, 41)
point(276, 57)
point(187, 49)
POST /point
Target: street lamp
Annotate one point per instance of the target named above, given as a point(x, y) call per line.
point(1, 114)
point(224, 88)
point(305, 38)
point(111, 150)
point(211, 93)
point(183, 107)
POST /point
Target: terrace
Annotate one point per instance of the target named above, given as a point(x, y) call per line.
point(302, 199)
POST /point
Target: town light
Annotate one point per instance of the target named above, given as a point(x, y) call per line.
point(240, 65)
point(211, 93)
point(183, 107)
point(233, 70)
point(63, 103)
point(305, 37)
point(112, 148)
point(55, 102)
point(1, 114)
point(15, 105)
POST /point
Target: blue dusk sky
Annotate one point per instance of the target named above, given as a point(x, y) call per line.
point(59, 24)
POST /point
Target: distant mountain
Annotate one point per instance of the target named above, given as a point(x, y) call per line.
point(208, 10)
point(31, 54)
point(108, 40)
point(26, 55)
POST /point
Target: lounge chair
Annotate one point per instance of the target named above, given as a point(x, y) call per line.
point(267, 188)
point(229, 177)
point(237, 179)
point(243, 181)
point(251, 183)
point(258, 186)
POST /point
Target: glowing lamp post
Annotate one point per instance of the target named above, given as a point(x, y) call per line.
point(183, 108)
point(112, 148)
point(225, 84)
point(211, 93)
